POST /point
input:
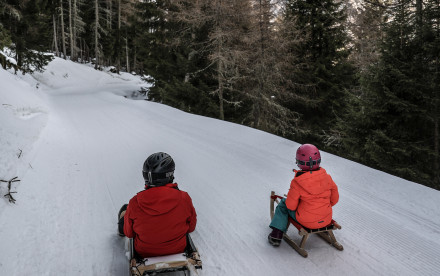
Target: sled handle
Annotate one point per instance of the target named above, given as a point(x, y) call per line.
point(275, 197)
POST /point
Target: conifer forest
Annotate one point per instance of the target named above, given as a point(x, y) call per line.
point(357, 78)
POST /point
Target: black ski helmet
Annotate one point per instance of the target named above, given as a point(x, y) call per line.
point(158, 169)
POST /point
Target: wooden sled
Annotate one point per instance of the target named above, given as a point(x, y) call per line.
point(325, 232)
point(163, 264)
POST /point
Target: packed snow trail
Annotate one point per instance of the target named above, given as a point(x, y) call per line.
point(87, 162)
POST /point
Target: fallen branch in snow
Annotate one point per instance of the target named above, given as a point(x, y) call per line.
point(19, 155)
point(9, 194)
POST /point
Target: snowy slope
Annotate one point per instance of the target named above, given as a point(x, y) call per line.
point(85, 146)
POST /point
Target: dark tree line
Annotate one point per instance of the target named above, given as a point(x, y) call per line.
point(23, 29)
point(392, 120)
point(358, 78)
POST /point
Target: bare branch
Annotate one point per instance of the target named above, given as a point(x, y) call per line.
point(9, 194)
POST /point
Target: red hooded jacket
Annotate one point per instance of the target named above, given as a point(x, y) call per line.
point(312, 195)
point(158, 219)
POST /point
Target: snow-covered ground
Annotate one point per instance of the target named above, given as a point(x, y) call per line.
point(78, 146)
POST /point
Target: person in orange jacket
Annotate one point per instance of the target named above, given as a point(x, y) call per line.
point(311, 196)
point(160, 217)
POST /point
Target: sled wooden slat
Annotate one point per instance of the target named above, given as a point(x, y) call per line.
point(165, 264)
point(325, 233)
point(160, 267)
point(295, 246)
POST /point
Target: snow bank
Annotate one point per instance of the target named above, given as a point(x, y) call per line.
point(64, 76)
point(23, 115)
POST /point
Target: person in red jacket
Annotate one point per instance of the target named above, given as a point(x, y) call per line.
point(311, 196)
point(160, 217)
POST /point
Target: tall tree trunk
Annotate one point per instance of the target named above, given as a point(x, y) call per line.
point(260, 70)
point(74, 40)
point(220, 87)
point(134, 59)
point(71, 31)
point(55, 39)
point(97, 58)
point(126, 55)
point(63, 37)
point(436, 152)
point(220, 68)
point(436, 122)
point(110, 13)
point(81, 51)
point(118, 38)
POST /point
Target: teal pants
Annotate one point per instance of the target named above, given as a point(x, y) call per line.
point(280, 219)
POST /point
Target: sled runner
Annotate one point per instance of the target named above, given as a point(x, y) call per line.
point(325, 232)
point(186, 261)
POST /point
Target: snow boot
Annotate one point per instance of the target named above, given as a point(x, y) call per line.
point(121, 220)
point(275, 237)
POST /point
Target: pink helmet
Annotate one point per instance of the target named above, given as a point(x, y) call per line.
point(308, 157)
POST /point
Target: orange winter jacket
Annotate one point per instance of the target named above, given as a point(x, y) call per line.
point(312, 196)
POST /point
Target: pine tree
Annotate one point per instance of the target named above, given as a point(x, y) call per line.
point(99, 28)
point(365, 26)
point(164, 53)
point(125, 9)
point(63, 34)
point(76, 27)
point(216, 31)
point(229, 50)
point(28, 25)
point(326, 72)
point(397, 124)
point(268, 61)
point(430, 41)
point(5, 39)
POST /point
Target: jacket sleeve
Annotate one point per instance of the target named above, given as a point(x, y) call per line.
point(293, 196)
point(128, 220)
point(334, 196)
point(192, 219)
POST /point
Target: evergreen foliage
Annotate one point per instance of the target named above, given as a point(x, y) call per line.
point(27, 23)
point(5, 39)
point(325, 73)
point(431, 45)
point(167, 47)
point(394, 117)
point(370, 93)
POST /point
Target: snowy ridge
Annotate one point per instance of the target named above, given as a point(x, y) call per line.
point(85, 145)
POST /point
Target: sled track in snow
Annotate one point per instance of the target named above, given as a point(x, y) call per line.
point(409, 249)
point(373, 202)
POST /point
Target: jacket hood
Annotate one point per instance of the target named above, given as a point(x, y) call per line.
point(315, 182)
point(159, 200)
